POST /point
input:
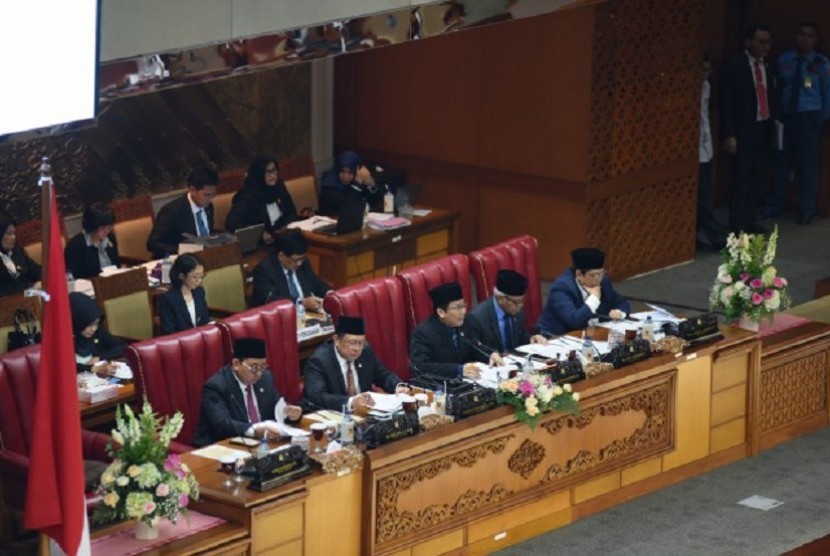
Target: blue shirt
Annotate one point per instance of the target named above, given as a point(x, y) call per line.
point(814, 82)
point(505, 337)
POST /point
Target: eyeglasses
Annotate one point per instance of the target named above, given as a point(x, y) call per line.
point(457, 306)
point(257, 369)
point(353, 343)
point(518, 302)
point(598, 274)
point(198, 277)
point(272, 171)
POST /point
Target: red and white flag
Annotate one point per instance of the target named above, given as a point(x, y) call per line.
point(55, 503)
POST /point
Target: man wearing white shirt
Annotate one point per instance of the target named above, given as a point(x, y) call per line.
point(582, 294)
point(240, 398)
point(191, 214)
point(343, 370)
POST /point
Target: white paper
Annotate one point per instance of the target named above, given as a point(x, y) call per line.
point(122, 370)
point(279, 410)
point(379, 216)
point(84, 286)
point(760, 502)
point(385, 402)
point(659, 317)
point(421, 212)
point(312, 223)
point(218, 452)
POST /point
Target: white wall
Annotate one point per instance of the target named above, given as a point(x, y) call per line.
point(134, 27)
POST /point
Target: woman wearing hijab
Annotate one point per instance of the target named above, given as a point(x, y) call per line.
point(17, 271)
point(263, 199)
point(93, 344)
point(348, 181)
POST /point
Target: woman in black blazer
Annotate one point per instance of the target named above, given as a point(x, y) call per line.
point(93, 343)
point(184, 306)
point(94, 248)
point(263, 199)
point(17, 270)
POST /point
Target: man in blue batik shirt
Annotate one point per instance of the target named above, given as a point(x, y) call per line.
point(804, 77)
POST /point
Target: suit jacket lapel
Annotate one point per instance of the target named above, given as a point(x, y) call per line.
point(336, 369)
point(495, 324)
point(238, 409)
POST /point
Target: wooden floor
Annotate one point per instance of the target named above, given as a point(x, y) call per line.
point(818, 547)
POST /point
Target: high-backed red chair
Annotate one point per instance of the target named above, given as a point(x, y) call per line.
point(276, 323)
point(381, 304)
point(418, 280)
point(170, 371)
point(519, 254)
point(19, 371)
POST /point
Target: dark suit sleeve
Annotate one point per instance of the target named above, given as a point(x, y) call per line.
point(728, 91)
point(312, 284)
point(109, 346)
point(612, 299)
point(202, 311)
point(561, 303)
point(381, 376)
point(215, 414)
point(167, 314)
point(422, 355)
point(331, 199)
point(159, 242)
point(289, 211)
point(319, 375)
point(242, 213)
point(266, 286)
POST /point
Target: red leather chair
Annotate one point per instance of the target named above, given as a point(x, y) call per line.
point(381, 304)
point(276, 323)
point(171, 370)
point(418, 280)
point(19, 370)
point(519, 254)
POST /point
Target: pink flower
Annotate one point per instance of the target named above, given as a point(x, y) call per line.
point(744, 276)
point(779, 282)
point(149, 507)
point(525, 387)
point(757, 298)
point(183, 500)
point(163, 489)
point(768, 293)
point(756, 283)
point(172, 462)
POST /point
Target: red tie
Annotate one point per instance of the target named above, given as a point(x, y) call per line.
point(761, 92)
point(253, 414)
point(350, 387)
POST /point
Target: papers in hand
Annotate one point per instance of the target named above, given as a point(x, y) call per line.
point(310, 224)
point(285, 430)
point(386, 403)
point(122, 371)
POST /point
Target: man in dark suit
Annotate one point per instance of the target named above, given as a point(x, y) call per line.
point(191, 214)
point(747, 103)
point(285, 274)
point(446, 344)
point(240, 399)
point(498, 321)
point(580, 294)
point(343, 370)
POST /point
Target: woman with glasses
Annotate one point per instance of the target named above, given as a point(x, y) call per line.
point(263, 199)
point(94, 248)
point(184, 305)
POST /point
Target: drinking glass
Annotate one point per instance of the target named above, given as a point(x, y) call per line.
point(318, 431)
point(227, 464)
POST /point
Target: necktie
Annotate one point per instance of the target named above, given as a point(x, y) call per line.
point(792, 108)
point(454, 333)
point(200, 223)
point(761, 92)
point(508, 332)
point(351, 390)
point(253, 413)
point(292, 287)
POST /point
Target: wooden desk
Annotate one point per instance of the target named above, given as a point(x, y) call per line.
point(307, 516)
point(103, 413)
point(365, 254)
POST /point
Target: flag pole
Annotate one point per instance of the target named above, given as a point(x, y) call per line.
point(45, 184)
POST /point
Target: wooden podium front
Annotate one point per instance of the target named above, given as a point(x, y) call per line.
point(367, 253)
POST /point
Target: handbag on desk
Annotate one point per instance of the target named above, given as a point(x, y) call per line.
point(25, 331)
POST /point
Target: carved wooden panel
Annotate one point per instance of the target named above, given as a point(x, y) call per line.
point(513, 464)
point(784, 404)
point(646, 85)
point(149, 143)
point(661, 234)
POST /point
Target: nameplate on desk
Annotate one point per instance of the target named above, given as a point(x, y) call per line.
point(308, 332)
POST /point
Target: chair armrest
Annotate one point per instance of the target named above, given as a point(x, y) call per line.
point(179, 448)
point(94, 445)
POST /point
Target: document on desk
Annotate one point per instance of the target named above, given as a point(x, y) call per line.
point(286, 430)
point(659, 317)
point(217, 452)
point(311, 224)
point(385, 402)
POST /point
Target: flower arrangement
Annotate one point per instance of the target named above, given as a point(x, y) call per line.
point(144, 482)
point(533, 393)
point(747, 284)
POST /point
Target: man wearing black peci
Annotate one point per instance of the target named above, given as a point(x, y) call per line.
point(498, 321)
point(344, 369)
point(240, 399)
point(446, 344)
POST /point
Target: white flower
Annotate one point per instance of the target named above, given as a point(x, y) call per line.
point(557, 390)
point(567, 387)
point(774, 302)
point(726, 294)
point(575, 396)
point(769, 275)
point(118, 437)
point(122, 480)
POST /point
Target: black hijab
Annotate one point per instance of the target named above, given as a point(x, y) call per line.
point(255, 179)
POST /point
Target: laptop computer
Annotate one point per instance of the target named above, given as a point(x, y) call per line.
point(350, 220)
point(248, 238)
